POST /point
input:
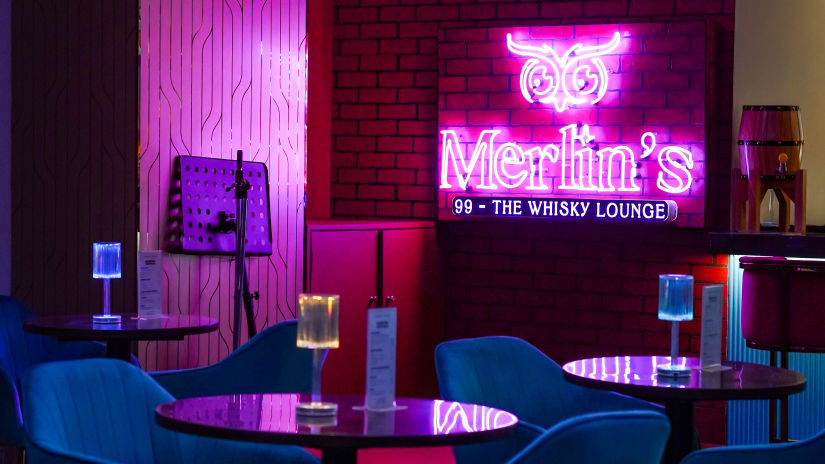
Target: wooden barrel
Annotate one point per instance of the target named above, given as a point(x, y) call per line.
point(764, 133)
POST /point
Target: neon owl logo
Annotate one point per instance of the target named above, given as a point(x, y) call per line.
point(563, 80)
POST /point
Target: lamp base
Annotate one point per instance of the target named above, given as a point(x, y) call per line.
point(316, 421)
point(673, 370)
point(316, 408)
point(106, 318)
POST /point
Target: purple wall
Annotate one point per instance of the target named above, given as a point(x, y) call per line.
point(217, 77)
point(5, 147)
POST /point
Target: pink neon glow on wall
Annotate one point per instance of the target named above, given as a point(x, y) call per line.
point(217, 77)
point(527, 91)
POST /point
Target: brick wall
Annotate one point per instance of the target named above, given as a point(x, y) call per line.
point(654, 78)
point(573, 290)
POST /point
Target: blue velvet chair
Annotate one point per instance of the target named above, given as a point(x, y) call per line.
point(268, 363)
point(19, 351)
point(102, 410)
point(627, 437)
point(510, 374)
point(807, 451)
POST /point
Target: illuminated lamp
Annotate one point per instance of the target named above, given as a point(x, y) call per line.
point(675, 305)
point(317, 331)
point(106, 266)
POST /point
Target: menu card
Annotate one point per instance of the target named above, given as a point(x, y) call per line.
point(381, 343)
point(150, 285)
point(710, 353)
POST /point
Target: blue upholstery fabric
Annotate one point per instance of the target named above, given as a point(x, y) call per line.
point(268, 363)
point(807, 451)
point(102, 410)
point(628, 437)
point(20, 350)
point(511, 374)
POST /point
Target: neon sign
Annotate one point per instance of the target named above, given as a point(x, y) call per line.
point(579, 70)
point(572, 124)
point(583, 169)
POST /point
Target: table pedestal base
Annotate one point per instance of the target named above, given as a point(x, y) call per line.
point(339, 456)
point(682, 430)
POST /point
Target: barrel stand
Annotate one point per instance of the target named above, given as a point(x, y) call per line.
point(748, 196)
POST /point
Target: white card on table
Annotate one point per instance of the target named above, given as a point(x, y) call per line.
point(710, 353)
point(381, 342)
point(150, 286)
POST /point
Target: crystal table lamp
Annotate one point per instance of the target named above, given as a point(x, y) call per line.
point(675, 304)
point(106, 266)
point(318, 331)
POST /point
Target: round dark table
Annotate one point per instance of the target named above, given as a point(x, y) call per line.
point(271, 418)
point(636, 376)
point(118, 337)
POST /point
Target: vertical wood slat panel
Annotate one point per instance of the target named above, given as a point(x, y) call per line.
point(74, 137)
point(217, 77)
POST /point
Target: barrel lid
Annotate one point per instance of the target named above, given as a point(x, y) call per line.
point(770, 107)
point(771, 143)
point(781, 264)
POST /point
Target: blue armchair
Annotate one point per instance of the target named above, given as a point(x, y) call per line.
point(102, 410)
point(629, 437)
point(268, 363)
point(19, 351)
point(510, 374)
point(811, 450)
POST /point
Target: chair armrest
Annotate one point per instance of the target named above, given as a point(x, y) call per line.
point(11, 418)
point(804, 451)
point(499, 450)
point(627, 436)
point(179, 383)
point(45, 453)
point(527, 427)
point(65, 351)
point(601, 401)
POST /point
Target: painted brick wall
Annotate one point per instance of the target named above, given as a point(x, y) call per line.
point(572, 290)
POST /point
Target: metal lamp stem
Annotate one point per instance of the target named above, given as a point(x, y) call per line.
point(106, 297)
point(318, 356)
point(674, 341)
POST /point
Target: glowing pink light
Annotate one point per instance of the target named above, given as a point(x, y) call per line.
point(576, 74)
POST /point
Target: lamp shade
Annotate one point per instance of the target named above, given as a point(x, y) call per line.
point(318, 321)
point(106, 260)
point(675, 297)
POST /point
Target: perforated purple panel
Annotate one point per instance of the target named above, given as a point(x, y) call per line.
point(200, 196)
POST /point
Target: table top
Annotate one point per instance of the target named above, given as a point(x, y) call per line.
point(636, 376)
point(271, 418)
point(81, 327)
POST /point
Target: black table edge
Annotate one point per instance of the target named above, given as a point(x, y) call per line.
point(677, 394)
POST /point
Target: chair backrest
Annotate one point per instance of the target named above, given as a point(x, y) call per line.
point(510, 374)
point(270, 362)
point(20, 350)
point(97, 407)
point(628, 437)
